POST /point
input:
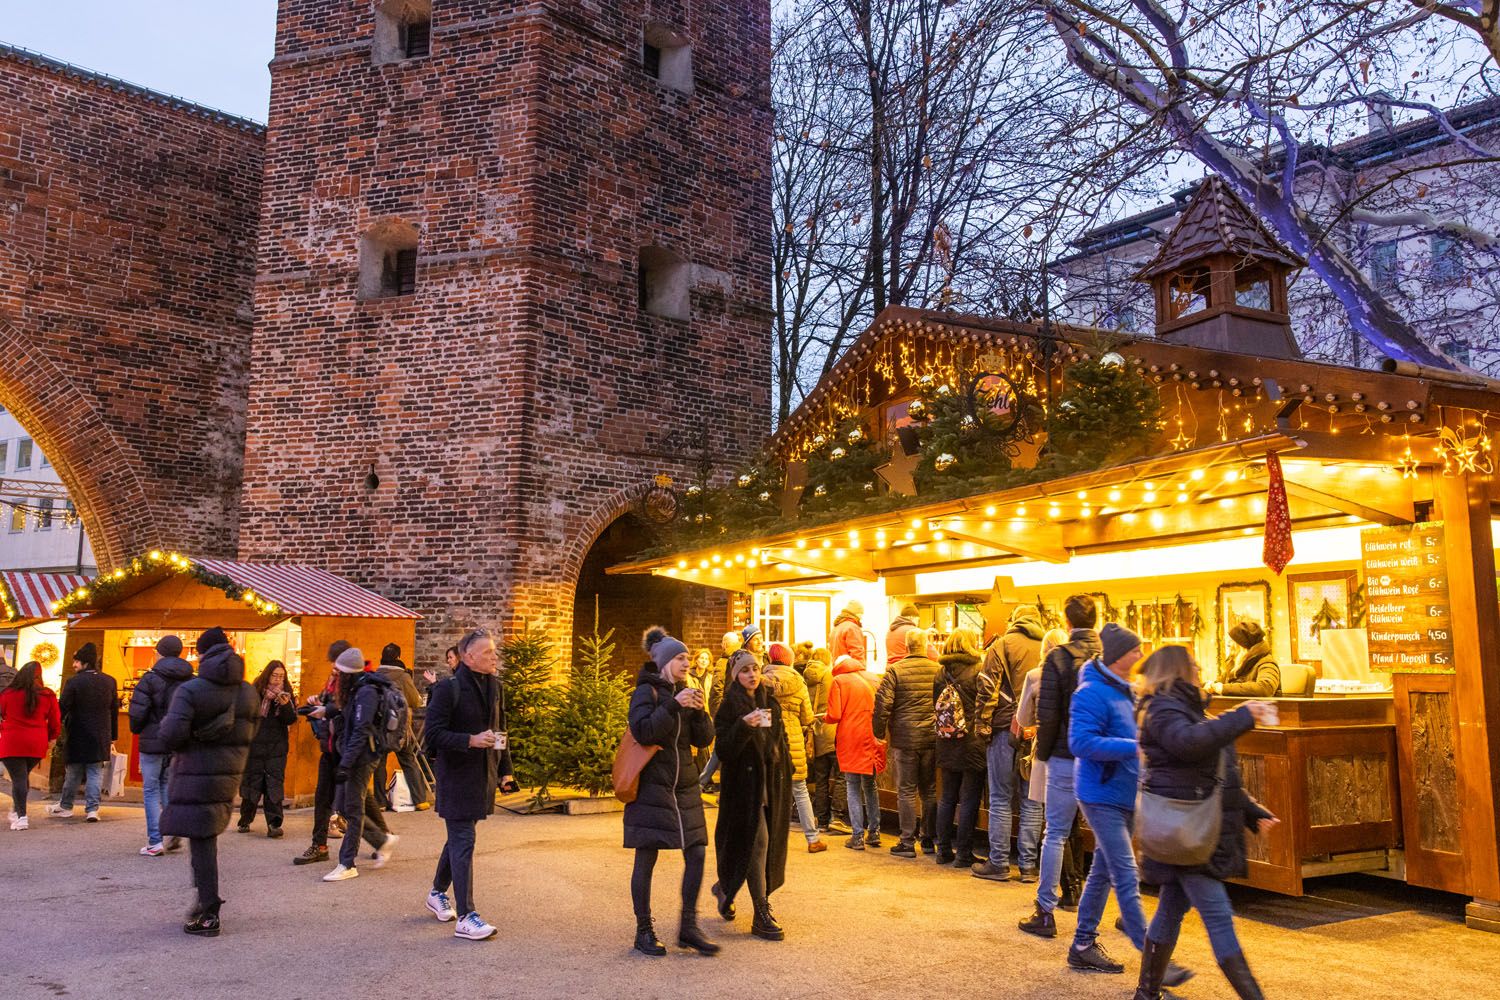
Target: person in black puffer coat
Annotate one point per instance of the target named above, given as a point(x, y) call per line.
point(148, 706)
point(903, 714)
point(1182, 748)
point(265, 771)
point(207, 730)
point(667, 813)
point(756, 804)
point(961, 754)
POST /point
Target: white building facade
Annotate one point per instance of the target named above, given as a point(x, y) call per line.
point(39, 527)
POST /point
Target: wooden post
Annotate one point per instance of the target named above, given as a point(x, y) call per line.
point(1464, 505)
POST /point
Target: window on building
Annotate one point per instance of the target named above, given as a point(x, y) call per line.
point(44, 519)
point(388, 261)
point(46, 462)
point(17, 519)
point(23, 454)
point(403, 30)
point(1447, 261)
point(1383, 266)
point(667, 57)
point(4, 454)
point(1457, 350)
point(664, 283)
point(70, 514)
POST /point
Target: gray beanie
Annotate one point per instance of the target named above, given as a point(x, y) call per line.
point(350, 661)
point(169, 645)
point(1118, 640)
point(665, 650)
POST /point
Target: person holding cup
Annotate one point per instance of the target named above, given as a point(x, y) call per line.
point(1183, 748)
point(755, 804)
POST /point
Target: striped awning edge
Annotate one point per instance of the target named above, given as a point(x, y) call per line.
point(307, 590)
point(30, 595)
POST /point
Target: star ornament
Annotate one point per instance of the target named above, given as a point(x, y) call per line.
point(898, 473)
point(1407, 465)
point(1183, 441)
point(1463, 454)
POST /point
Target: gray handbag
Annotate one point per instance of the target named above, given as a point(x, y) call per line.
point(1181, 832)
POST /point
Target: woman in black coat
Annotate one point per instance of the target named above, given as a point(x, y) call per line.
point(208, 730)
point(1182, 749)
point(265, 771)
point(667, 813)
point(755, 801)
point(961, 755)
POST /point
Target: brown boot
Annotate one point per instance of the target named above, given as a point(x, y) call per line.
point(1154, 960)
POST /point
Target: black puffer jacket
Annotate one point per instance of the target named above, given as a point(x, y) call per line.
point(668, 810)
point(269, 748)
point(90, 716)
point(205, 775)
point(968, 753)
point(1060, 673)
point(1181, 747)
point(151, 699)
point(903, 704)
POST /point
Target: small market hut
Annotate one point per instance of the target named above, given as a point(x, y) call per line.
point(26, 600)
point(270, 611)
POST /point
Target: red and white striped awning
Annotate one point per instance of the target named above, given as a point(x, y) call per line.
point(28, 597)
point(307, 590)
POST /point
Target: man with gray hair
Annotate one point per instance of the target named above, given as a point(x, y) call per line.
point(904, 716)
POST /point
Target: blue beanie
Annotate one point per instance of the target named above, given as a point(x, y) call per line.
point(749, 632)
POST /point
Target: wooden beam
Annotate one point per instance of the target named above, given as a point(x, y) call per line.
point(1022, 538)
point(1383, 498)
point(1372, 505)
point(855, 564)
point(1183, 521)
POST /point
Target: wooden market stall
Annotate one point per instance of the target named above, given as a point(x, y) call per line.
point(26, 600)
point(270, 611)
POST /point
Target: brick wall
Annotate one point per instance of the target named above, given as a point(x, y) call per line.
point(509, 405)
point(127, 234)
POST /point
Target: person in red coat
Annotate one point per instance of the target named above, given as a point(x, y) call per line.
point(851, 706)
point(848, 638)
point(29, 722)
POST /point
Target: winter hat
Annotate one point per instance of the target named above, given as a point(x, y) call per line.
point(855, 608)
point(748, 632)
point(391, 654)
point(335, 649)
point(661, 647)
point(87, 655)
point(1118, 640)
point(909, 611)
point(169, 645)
point(780, 653)
point(740, 661)
point(211, 639)
point(1247, 634)
point(350, 661)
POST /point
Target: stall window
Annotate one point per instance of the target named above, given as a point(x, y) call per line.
point(771, 614)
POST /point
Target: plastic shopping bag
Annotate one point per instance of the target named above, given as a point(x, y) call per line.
point(119, 765)
point(398, 795)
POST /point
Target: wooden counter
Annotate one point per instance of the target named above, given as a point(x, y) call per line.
point(1329, 771)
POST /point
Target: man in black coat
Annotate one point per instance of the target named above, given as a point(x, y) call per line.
point(466, 735)
point(148, 706)
point(208, 730)
point(904, 715)
point(90, 707)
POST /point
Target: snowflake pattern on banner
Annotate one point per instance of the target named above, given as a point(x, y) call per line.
point(1278, 550)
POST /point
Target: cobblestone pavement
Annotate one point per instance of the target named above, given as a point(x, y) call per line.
point(86, 917)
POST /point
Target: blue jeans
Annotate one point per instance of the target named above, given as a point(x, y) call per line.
point(93, 777)
point(805, 811)
point(1205, 894)
point(1031, 833)
point(864, 803)
point(1061, 808)
point(154, 792)
point(1114, 865)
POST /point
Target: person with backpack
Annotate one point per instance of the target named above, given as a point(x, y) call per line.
point(1054, 695)
point(1033, 774)
point(825, 780)
point(148, 706)
point(1006, 663)
point(903, 710)
point(417, 789)
point(364, 703)
point(207, 729)
point(961, 745)
point(265, 771)
point(668, 712)
point(1188, 757)
point(466, 734)
point(790, 691)
point(851, 711)
point(29, 722)
point(90, 708)
point(319, 712)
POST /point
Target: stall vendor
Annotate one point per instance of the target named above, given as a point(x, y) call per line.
point(1253, 673)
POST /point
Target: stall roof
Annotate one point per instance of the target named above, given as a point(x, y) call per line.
point(26, 597)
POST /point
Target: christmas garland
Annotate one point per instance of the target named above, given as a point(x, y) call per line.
point(841, 468)
point(109, 585)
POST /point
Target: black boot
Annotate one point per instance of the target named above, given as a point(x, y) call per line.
point(203, 921)
point(764, 925)
point(1154, 960)
point(1237, 971)
point(726, 905)
point(1041, 923)
point(690, 936)
point(646, 941)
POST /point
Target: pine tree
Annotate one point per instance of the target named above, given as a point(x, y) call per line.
point(529, 696)
point(1104, 415)
point(585, 725)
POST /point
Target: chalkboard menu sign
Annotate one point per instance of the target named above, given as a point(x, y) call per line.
point(1408, 619)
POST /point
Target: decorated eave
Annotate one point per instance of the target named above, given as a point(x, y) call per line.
point(26, 597)
point(255, 595)
point(1216, 491)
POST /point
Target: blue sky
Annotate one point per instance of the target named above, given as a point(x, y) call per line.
point(213, 52)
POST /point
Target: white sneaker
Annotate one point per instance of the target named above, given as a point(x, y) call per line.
point(473, 927)
point(92, 816)
point(57, 810)
point(383, 854)
point(153, 851)
point(19, 823)
point(341, 874)
point(438, 903)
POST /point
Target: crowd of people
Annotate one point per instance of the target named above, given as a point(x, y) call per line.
point(1047, 725)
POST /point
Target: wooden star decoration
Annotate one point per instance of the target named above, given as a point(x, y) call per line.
point(898, 472)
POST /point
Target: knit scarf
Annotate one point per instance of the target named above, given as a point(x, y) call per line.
point(267, 699)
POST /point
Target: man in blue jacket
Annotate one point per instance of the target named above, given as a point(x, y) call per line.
point(1103, 738)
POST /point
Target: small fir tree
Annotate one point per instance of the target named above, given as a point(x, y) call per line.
point(529, 696)
point(585, 724)
point(1105, 414)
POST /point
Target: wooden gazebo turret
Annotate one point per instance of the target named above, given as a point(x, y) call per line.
point(1219, 279)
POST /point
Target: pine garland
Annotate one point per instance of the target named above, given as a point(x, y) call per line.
point(106, 586)
point(841, 470)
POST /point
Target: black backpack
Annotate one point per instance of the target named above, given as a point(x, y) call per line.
point(390, 730)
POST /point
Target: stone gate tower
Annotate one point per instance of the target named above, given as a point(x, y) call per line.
point(507, 249)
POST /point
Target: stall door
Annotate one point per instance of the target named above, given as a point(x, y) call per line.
point(811, 620)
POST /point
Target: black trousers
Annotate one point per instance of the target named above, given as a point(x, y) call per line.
point(826, 782)
point(323, 797)
point(204, 854)
point(692, 882)
point(264, 781)
point(19, 769)
point(362, 816)
point(456, 865)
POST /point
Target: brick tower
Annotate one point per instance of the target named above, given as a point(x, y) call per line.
point(509, 254)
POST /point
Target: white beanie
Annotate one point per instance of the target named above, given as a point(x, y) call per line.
point(350, 661)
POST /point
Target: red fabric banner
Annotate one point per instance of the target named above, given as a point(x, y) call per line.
point(1278, 551)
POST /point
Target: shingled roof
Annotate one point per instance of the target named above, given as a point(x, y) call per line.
point(1216, 221)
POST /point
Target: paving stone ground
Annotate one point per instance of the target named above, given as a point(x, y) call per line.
point(85, 917)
